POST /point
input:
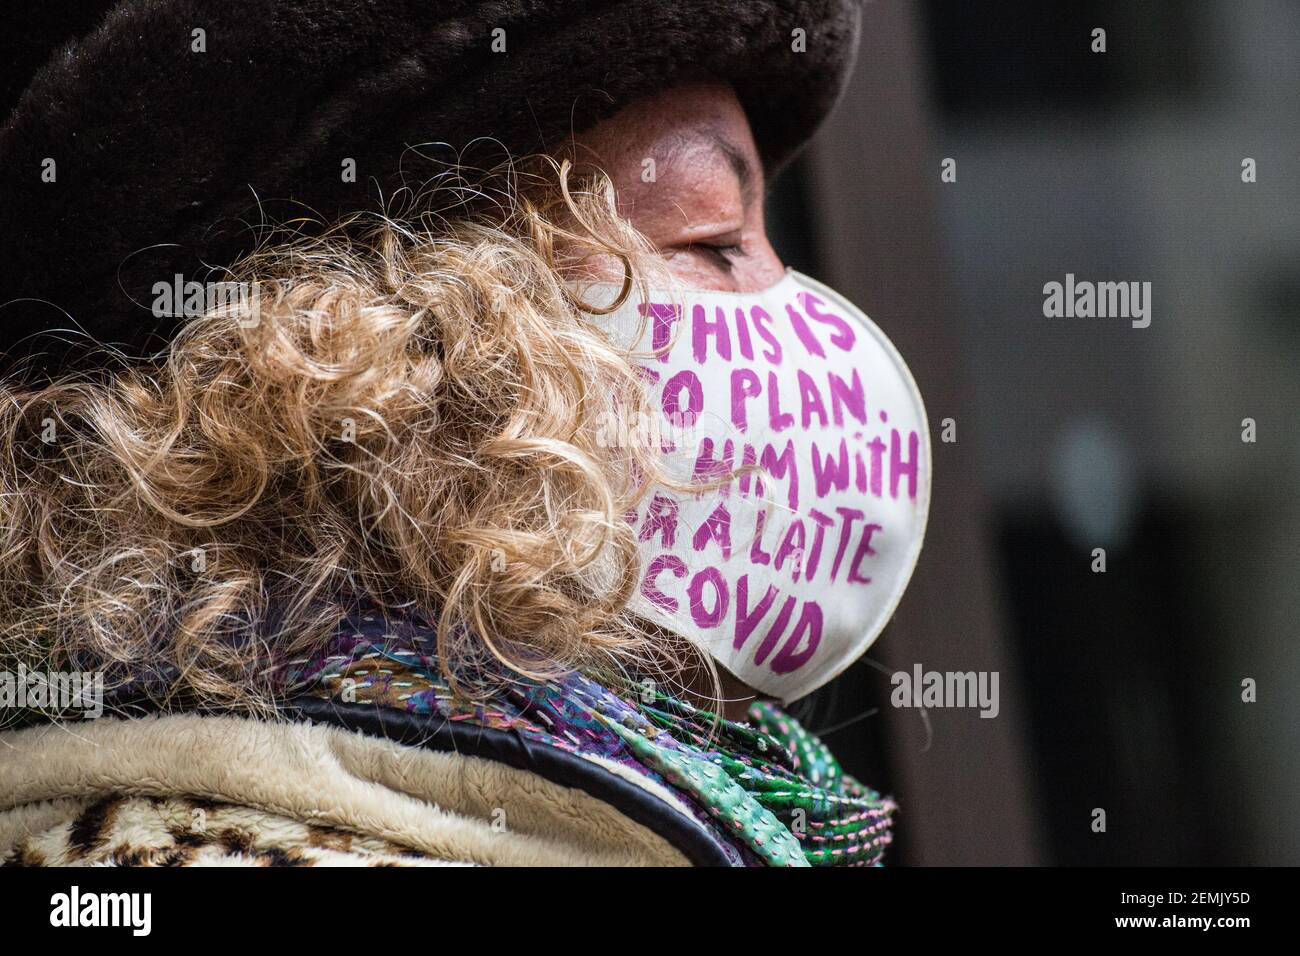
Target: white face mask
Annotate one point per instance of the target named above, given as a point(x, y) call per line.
point(787, 572)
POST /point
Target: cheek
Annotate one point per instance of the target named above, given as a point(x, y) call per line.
point(761, 268)
point(581, 264)
point(693, 272)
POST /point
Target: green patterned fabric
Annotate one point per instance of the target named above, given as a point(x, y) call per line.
point(767, 788)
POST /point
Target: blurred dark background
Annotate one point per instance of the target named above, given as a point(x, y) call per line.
point(1120, 690)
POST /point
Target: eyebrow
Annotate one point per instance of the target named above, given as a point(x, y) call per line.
point(739, 162)
point(717, 141)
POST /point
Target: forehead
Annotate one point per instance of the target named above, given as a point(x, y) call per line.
point(688, 134)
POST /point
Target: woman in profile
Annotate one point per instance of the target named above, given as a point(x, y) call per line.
point(360, 573)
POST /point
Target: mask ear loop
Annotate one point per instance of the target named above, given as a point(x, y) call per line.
point(626, 290)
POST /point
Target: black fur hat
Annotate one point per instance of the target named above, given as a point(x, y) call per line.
point(144, 137)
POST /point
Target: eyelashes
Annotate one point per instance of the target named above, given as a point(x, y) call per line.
point(720, 255)
point(724, 256)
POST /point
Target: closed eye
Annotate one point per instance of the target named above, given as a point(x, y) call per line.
point(720, 254)
point(724, 255)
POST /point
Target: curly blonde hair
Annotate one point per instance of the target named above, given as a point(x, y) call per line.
point(411, 415)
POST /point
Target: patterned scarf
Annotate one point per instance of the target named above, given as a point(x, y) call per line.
point(771, 792)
